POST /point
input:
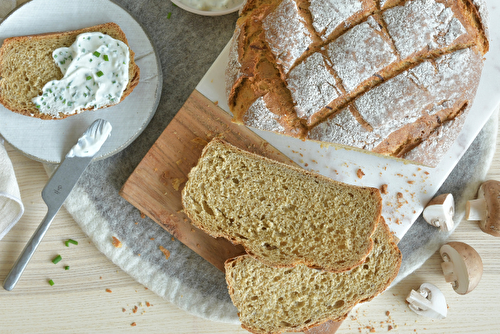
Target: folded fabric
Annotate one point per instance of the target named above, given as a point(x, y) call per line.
point(11, 206)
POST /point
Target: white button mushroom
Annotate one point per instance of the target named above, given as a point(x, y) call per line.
point(428, 301)
point(439, 212)
point(462, 266)
point(486, 208)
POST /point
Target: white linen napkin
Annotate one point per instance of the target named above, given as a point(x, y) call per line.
point(11, 206)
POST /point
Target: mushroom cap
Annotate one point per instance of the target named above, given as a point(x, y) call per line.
point(490, 190)
point(467, 265)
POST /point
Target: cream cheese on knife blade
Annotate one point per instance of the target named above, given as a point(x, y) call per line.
point(95, 69)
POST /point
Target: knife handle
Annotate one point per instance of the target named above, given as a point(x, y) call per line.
point(28, 251)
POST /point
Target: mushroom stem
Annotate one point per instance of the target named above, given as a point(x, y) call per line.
point(476, 209)
point(449, 274)
point(428, 301)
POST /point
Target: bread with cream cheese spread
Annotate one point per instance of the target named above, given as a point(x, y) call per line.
point(394, 77)
point(282, 215)
point(26, 65)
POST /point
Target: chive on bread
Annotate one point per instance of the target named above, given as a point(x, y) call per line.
point(26, 65)
point(271, 300)
point(282, 215)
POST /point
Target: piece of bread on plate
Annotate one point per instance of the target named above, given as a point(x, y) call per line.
point(27, 64)
point(282, 215)
point(276, 300)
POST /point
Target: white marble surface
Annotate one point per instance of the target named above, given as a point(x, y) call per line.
point(50, 140)
point(417, 184)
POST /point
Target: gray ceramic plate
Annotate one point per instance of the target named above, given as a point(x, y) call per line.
point(50, 140)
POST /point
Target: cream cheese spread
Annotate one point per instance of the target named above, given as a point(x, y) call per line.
point(211, 5)
point(95, 70)
point(92, 140)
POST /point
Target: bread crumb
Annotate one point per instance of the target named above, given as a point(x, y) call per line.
point(123, 309)
point(383, 189)
point(216, 103)
point(134, 309)
point(199, 141)
point(426, 173)
point(151, 238)
point(178, 162)
point(148, 304)
point(173, 239)
point(360, 173)
point(109, 290)
point(117, 243)
point(176, 182)
point(133, 324)
point(165, 251)
point(390, 328)
point(143, 215)
point(410, 182)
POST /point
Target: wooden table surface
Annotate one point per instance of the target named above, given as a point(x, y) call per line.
point(80, 302)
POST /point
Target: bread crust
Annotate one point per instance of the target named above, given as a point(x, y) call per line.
point(306, 108)
point(109, 28)
point(373, 191)
point(233, 261)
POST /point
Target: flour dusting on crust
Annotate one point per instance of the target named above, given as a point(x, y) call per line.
point(329, 14)
point(312, 86)
point(344, 129)
point(422, 25)
point(286, 34)
point(393, 104)
point(233, 69)
point(259, 116)
point(359, 54)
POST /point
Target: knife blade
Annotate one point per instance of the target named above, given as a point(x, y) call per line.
point(57, 189)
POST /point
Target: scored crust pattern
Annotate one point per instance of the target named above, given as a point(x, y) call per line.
point(391, 76)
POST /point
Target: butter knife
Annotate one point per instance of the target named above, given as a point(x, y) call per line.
point(58, 188)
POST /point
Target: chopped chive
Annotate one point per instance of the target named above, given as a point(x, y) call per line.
point(97, 54)
point(99, 74)
point(87, 87)
point(66, 268)
point(169, 14)
point(114, 81)
point(38, 106)
point(105, 57)
point(64, 101)
point(90, 60)
point(62, 62)
point(89, 77)
point(50, 90)
point(74, 242)
point(100, 36)
point(85, 94)
point(57, 259)
point(51, 282)
point(60, 97)
point(55, 56)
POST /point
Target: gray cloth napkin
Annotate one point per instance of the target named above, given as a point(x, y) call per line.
point(11, 206)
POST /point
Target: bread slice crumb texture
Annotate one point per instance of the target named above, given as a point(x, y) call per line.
point(271, 300)
point(282, 215)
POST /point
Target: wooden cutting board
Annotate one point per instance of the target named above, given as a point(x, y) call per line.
point(155, 185)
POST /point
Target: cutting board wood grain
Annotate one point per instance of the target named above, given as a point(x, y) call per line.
point(155, 185)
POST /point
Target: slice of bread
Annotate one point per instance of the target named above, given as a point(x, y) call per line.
point(282, 215)
point(271, 300)
point(26, 65)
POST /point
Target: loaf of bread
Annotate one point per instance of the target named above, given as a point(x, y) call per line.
point(394, 77)
point(26, 65)
point(282, 215)
point(271, 300)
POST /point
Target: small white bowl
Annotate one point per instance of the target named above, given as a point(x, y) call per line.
point(207, 12)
